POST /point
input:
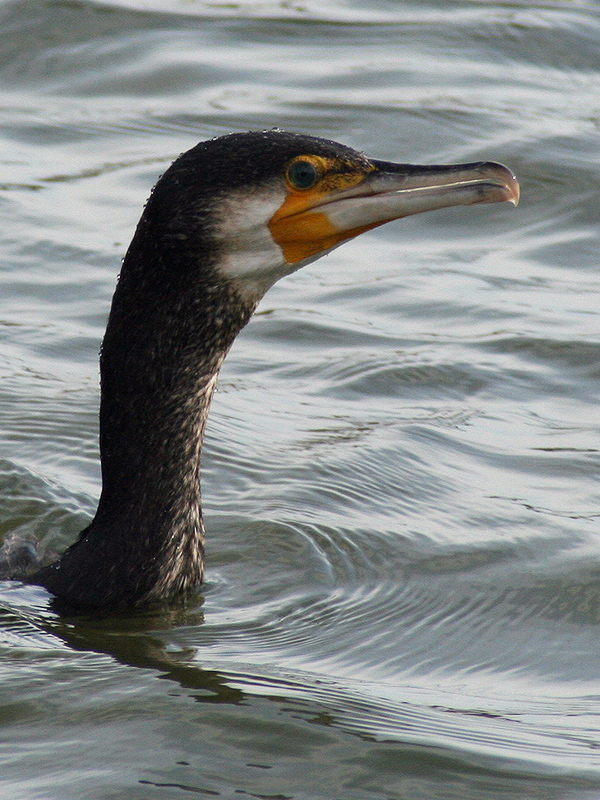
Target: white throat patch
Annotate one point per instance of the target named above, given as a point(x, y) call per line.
point(250, 257)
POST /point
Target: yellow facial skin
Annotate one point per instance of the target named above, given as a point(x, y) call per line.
point(302, 232)
point(348, 198)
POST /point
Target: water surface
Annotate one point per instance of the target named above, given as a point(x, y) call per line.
point(402, 460)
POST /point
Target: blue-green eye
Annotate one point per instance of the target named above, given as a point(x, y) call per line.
point(302, 174)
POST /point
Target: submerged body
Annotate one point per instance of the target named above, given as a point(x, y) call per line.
point(228, 219)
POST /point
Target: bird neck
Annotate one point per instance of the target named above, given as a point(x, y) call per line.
point(172, 321)
point(165, 342)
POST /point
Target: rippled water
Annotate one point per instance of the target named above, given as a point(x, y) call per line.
point(401, 471)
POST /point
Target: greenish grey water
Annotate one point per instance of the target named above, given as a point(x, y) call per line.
point(401, 471)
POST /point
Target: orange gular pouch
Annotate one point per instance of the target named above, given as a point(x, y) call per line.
point(298, 226)
point(329, 202)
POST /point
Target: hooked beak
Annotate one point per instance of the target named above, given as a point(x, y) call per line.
point(386, 192)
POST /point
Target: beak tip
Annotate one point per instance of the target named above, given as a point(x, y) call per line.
point(506, 183)
point(512, 187)
point(514, 191)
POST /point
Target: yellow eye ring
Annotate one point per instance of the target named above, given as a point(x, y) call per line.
point(302, 174)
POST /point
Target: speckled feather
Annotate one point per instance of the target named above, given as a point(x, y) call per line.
point(201, 258)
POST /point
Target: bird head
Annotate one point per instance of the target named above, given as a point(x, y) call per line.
point(270, 202)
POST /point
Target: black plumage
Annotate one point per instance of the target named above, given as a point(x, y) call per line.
point(174, 316)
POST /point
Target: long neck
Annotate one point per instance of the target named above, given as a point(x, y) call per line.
point(170, 327)
point(162, 351)
point(158, 371)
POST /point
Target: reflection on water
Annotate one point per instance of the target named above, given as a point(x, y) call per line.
point(400, 479)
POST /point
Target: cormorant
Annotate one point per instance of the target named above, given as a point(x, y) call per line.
point(226, 220)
